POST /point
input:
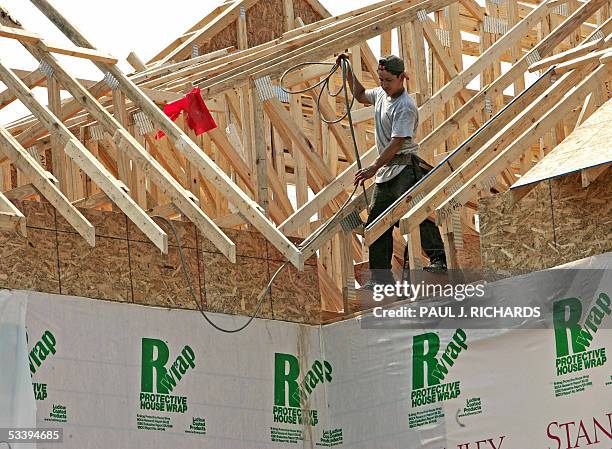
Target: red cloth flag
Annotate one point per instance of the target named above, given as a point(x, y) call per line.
point(198, 116)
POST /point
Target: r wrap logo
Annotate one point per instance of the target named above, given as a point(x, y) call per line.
point(428, 371)
point(157, 381)
point(290, 397)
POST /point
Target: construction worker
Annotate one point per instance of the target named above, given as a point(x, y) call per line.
point(397, 167)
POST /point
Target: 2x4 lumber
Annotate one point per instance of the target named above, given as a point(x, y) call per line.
point(21, 193)
point(442, 171)
point(516, 50)
point(137, 64)
point(331, 227)
point(58, 158)
point(483, 155)
point(172, 78)
point(443, 57)
point(288, 15)
point(158, 96)
point(492, 53)
point(217, 24)
point(368, 58)
point(40, 179)
point(363, 114)
point(283, 121)
point(451, 125)
point(580, 61)
point(325, 195)
point(404, 44)
point(588, 107)
point(347, 269)
point(305, 75)
point(144, 163)
point(32, 79)
point(318, 8)
point(33, 38)
point(343, 137)
point(231, 153)
point(320, 48)
point(300, 169)
point(261, 165)
point(84, 159)
point(456, 44)
point(567, 55)
point(11, 218)
point(121, 116)
point(197, 26)
point(247, 207)
point(413, 242)
point(589, 175)
point(519, 193)
point(170, 68)
point(360, 129)
point(419, 61)
point(529, 137)
point(504, 139)
point(385, 43)
point(473, 8)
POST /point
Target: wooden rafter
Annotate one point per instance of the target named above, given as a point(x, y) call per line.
point(89, 164)
point(128, 144)
point(247, 207)
point(11, 218)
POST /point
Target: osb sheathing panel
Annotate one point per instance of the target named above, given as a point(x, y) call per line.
point(294, 293)
point(227, 37)
point(185, 231)
point(265, 22)
point(159, 280)
point(556, 223)
point(233, 288)
point(469, 255)
point(107, 224)
point(39, 215)
point(305, 12)
point(101, 272)
point(275, 254)
point(125, 266)
point(583, 218)
point(29, 263)
point(248, 244)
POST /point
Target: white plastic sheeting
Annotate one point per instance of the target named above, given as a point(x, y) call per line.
point(128, 376)
point(17, 405)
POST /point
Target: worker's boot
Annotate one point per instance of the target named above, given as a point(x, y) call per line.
point(437, 265)
point(379, 277)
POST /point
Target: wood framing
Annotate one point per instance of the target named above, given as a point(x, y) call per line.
point(271, 164)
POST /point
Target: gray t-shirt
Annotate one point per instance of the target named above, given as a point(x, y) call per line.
point(394, 117)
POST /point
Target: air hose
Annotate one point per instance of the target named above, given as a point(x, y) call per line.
point(345, 66)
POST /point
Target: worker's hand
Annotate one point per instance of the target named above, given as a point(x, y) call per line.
point(363, 174)
point(340, 57)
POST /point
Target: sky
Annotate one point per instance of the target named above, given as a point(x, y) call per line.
point(114, 26)
point(119, 27)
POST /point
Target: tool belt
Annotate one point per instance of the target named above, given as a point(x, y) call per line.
point(410, 159)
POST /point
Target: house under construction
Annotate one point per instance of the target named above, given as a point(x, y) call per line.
point(118, 222)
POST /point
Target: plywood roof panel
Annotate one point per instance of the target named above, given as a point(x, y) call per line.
point(590, 145)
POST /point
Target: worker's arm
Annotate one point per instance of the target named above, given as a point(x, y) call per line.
point(356, 87)
point(388, 153)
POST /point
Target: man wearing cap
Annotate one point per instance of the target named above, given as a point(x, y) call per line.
point(397, 167)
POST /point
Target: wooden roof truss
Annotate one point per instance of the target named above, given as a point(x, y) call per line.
point(239, 174)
